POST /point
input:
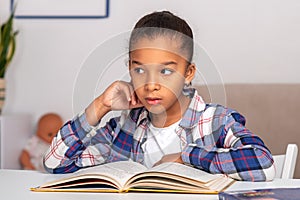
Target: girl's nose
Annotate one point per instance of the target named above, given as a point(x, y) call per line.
point(152, 82)
point(152, 86)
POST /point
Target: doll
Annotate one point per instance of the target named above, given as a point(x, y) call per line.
point(31, 157)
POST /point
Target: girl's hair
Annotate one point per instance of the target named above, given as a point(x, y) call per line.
point(164, 23)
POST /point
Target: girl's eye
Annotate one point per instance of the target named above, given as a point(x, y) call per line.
point(166, 71)
point(139, 70)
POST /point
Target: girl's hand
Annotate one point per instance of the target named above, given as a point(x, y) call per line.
point(175, 157)
point(119, 95)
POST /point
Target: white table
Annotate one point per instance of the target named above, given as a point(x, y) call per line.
point(15, 184)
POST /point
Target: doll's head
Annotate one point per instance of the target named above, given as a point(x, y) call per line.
point(48, 126)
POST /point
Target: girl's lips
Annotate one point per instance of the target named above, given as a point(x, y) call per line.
point(153, 101)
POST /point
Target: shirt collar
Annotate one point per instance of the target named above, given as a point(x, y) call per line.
point(194, 111)
point(143, 116)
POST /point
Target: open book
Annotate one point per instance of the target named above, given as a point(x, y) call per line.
point(125, 176)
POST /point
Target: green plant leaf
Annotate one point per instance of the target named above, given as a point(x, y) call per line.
point(7, 43)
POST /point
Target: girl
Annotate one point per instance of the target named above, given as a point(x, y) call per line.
point(164, 119)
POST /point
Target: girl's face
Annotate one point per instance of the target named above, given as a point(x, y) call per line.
point(159, 71)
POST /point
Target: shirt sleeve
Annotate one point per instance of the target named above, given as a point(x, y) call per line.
point(237, 152)
point(78, 145)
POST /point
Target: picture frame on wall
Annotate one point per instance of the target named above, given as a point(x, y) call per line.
point(60, 9)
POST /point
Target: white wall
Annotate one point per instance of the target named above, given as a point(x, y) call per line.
point(250, 41)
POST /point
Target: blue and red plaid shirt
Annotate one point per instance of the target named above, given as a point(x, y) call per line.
point(213, 138)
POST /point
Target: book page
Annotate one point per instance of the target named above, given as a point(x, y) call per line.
point(120, 171)
point(178, 177)
point(220, 184)
point(184, 170)
point(115, 172)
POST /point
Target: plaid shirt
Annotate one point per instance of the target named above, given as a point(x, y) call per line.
point(213, 138)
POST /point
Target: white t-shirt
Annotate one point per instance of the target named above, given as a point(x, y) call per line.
point(160, 142)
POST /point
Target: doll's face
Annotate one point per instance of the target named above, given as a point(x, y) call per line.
point(48, 127)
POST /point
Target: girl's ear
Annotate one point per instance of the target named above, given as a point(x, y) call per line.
point(190, 73)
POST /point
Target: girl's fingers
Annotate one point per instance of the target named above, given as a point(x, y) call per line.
point(123, 96)
point(129, 93)
point(132, 95)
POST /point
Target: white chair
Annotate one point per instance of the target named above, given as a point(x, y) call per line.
point(285, 164)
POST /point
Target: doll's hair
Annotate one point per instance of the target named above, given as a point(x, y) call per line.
point(164, 23)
